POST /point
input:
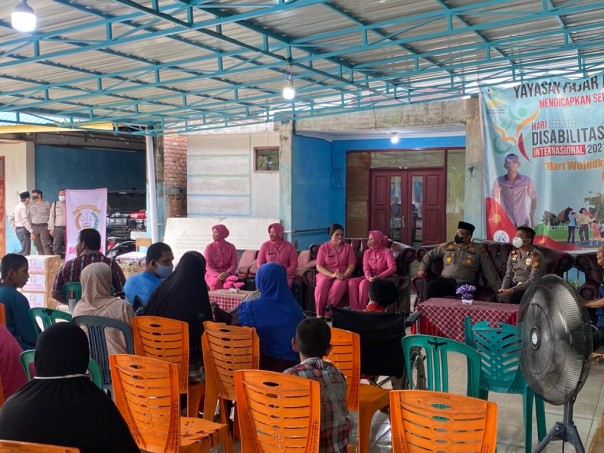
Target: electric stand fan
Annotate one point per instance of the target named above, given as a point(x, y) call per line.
point(555, 343)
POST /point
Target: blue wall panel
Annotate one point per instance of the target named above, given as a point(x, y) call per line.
point(79, 168)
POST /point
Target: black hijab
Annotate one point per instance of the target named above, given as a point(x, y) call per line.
point(184, 296)
point(61, 406)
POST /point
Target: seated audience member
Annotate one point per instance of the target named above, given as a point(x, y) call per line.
point(312, 341)
point(14, 270)
point(61, 405)
point(382, 294)
point(378, 263)
point(462, 259)
point(597, 315)
point(11, 371)
point(88, 251)
point(184, 296)
point(274, 315)
point(524, 266)
point(278, 250)
point(97, 301)
point(335, 264)
point(220, 257)
point(159, 265)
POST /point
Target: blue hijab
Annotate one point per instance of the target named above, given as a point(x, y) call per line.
point(275, 314)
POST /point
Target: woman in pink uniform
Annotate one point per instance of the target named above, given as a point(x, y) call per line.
point(378, 262)
point(335, 264)
point(278, 250)
point(221, 258)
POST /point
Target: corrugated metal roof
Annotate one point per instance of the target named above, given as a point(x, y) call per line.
point(200, 64)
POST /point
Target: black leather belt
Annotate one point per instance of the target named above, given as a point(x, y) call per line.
point(39, 224)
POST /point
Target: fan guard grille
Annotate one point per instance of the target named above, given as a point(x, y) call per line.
point(555, 340)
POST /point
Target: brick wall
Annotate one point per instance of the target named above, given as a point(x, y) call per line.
point(175, 174)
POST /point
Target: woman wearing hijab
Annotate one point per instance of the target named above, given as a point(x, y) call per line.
point(278, 250)
point(61, 405)
point(378, 263)
point(274, 315)
point(97, 301)
point(220, 257)
point(335, 264)
point(11, 371)
point(184, 296)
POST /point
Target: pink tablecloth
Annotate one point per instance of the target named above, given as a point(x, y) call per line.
point(445, 317)
point(227, 300)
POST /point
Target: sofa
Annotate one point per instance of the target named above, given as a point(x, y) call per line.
point(403, 256)
point(556, 262)
point(594, 274)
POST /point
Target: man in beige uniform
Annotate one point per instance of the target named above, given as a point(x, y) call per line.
point(525, 265)
point(39, 211)
point(56, 224)
point(462, 259)
point(19, 222)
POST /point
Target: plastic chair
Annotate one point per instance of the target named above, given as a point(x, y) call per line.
point(76, 287)
point(500, 371)
point(146, 392)
point(48, 316)
point(2, 314)
point(436, 350)
point(423, 420)
point(15, 446)
point(95, 329)
point(278, 412)
point(166, 339)
point(364, 398)
point(27, 359)
point(225, 350)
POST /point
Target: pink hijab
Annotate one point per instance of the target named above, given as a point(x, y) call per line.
point(223, 232)
point(278, 229)
point(380, 239)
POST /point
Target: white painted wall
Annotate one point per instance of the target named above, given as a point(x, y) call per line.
point(221, 181)
point(19, 174)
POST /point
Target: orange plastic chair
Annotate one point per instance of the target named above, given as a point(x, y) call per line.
point(364, 398)
point(167, 339)
point(278, 412)
point(147, 395)
point(15, 446)
point(2, 314)
point(225, 350)
point(423, 420)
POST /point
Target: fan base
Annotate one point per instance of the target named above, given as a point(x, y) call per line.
point(566, 432)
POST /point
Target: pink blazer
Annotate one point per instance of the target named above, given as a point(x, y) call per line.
point(220, 257)
point(378, 262)
point(282, 252)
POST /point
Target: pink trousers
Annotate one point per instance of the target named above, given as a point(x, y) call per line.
point(328, 291)
point(214, 282)
point(358, 293)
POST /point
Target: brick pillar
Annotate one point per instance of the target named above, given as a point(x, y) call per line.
point(175, 174)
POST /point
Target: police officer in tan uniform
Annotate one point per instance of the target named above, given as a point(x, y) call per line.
point(39, 211)
point(56, 224)
point(525, 265)
point(462, 259)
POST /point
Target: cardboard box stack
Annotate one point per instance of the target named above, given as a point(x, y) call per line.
point(42, 272)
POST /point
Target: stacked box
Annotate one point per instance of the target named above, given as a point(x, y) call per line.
point(42, 272)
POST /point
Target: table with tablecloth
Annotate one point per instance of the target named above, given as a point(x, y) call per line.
point(226, 299)
point(445, 317)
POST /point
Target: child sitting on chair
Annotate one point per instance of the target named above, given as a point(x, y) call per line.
point(382, 293)
point(312, 342)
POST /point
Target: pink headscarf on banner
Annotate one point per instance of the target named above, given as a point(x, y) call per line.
point(278, 229)
point(379, 238)
point(223, 232)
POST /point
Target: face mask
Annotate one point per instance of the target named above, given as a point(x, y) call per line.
point(61, 197)
point(164, 271)
point(517, 242)
point(459, 239)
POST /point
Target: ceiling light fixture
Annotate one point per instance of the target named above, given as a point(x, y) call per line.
point(23, 17)
point(394, 139)
point(289, 92)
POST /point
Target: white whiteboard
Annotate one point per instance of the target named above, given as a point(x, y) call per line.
point(184, 234)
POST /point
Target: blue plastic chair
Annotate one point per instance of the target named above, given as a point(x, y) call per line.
point(27, 359)
point(48, 316)
point(497, 345)
point(436, 350)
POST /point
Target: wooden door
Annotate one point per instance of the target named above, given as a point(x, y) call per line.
point(2, 209)
point(409, 205)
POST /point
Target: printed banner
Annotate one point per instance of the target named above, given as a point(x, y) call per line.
point(85, 209)
point(544, 161)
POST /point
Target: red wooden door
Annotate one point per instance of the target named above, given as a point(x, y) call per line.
point(409, 205)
